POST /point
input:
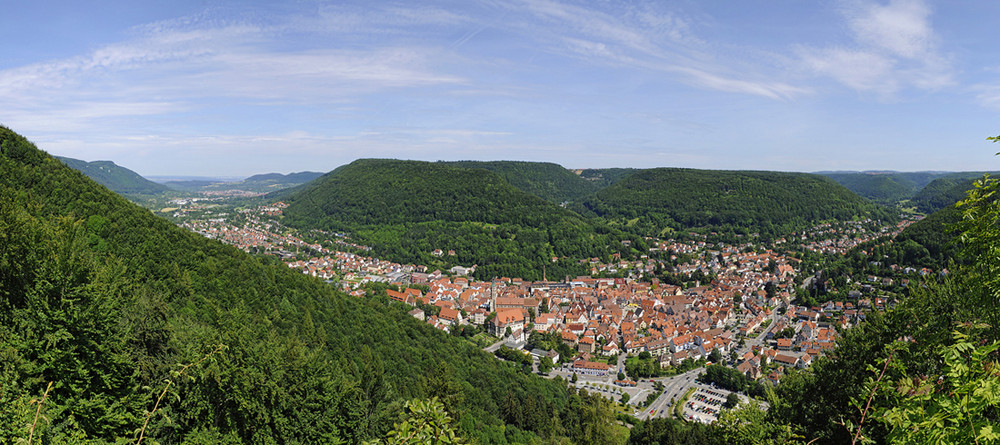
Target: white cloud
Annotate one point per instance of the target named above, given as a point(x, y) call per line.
point(650, 39)
point(170, 66)
point(860, 70)
point(894, 47)
point(900, 28)
point(988, 95)
point(772, 90)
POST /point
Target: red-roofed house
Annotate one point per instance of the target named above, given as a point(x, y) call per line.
point(591, 368)
point(451, 316)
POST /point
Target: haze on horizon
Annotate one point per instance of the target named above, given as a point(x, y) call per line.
point(226, 88)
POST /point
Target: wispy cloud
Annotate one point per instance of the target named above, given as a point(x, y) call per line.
point(197, 59)
point(988, 95)
point(530, 79)
point(893, 46)
point(653, 39)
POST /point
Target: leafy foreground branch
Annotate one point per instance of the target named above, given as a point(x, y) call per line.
point(426, 422)
point(177, 375)
point(952, 407)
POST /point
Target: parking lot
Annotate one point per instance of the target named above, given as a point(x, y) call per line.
point(705, 404)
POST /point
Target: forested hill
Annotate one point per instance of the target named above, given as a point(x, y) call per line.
point(383, 191)
point(603, 177)
point(546, 180)
point(944, 191)
point(406, 210)
point(888, 188)
point(117, 308)
point(771, 203)
point(115, 177)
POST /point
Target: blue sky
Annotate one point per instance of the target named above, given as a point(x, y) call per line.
point(231, 88)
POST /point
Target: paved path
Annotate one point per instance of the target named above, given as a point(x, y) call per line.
point(493, 348)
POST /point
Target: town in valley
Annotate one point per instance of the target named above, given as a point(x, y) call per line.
point(628, 335)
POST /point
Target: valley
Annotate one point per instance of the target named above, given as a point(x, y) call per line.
point(530, 222)
point(681, 301)
point(649, 325)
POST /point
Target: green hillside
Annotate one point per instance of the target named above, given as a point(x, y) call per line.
point(124, 314)
point(771, 203)
point(117, 178)
point(407, 209)
point(883, 188)
point(936, 238)
point(944, 191)
point(546, 180)
point(603, 177)
point(382, 191)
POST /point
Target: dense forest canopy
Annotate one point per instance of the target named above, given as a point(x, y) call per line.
point(407, 209)
point(926, 192)
point(944, 191)
point(771, 203)
point(603, 177)
point(115, 307)
point(545, 180)
point(888, 188)
point(382, 191)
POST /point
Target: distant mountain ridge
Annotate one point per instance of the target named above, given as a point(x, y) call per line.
point(115, 177)
point(297, 178)
point(261, 183)
point(885, 187)
point(927, 191)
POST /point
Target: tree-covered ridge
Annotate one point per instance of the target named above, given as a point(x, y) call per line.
point(383, 191)
point(110, 303)
point(927, 192)
point(944, 191)
point(936, 237)
point(546, 180)
point(888, 188)
point(603, 177)
point(406, 210)
point(770, 203)
point(115, 177)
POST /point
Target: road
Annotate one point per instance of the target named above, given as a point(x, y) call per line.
point(760, 339)
point(673, 389)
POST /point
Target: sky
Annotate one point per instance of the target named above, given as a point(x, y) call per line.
point(235, 88)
